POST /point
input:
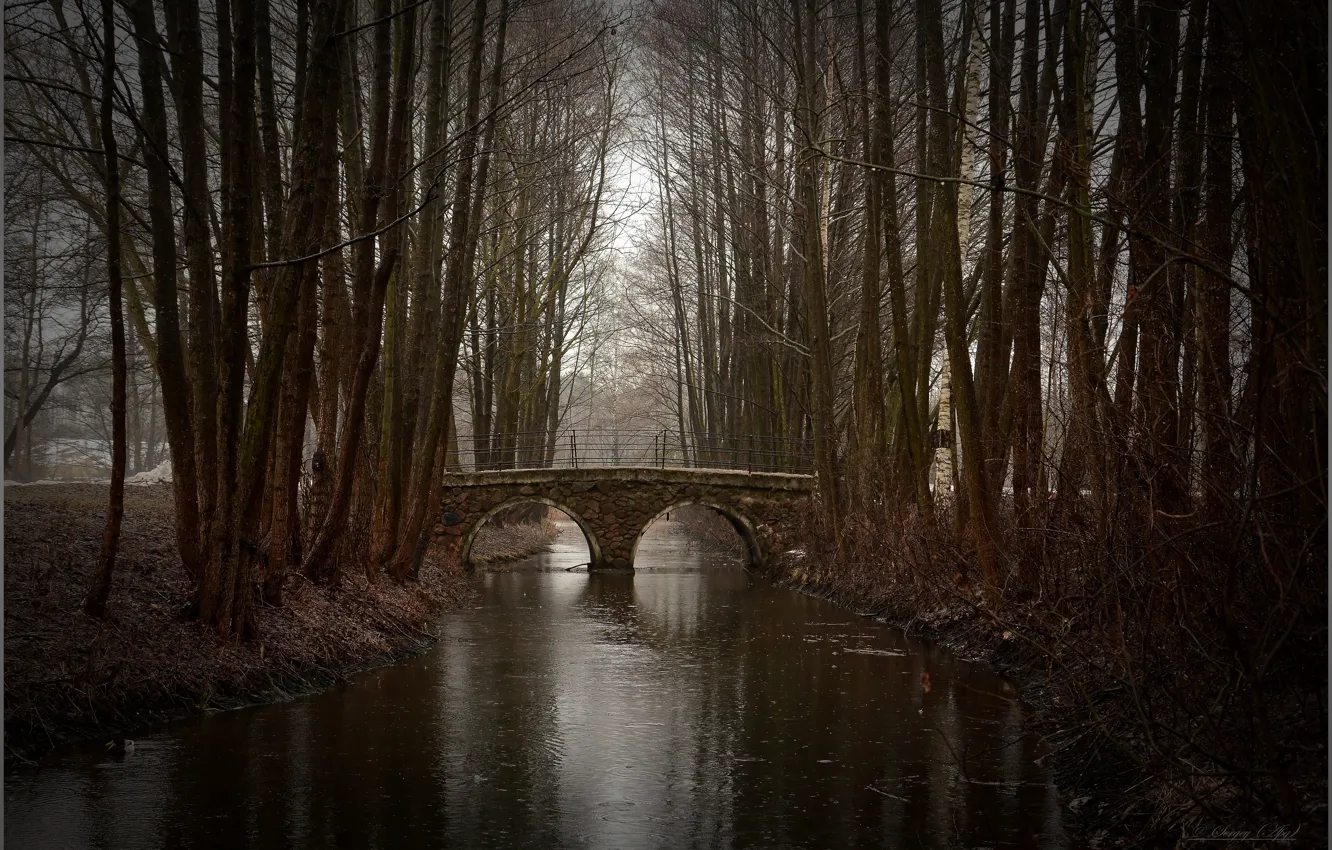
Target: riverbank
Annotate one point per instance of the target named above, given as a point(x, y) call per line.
point(711, 530)
point(1134, 756)
point(1096, 804)
point(497, 545)
point(967, 634)
point(69, 677)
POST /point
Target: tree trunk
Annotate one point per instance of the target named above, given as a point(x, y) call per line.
point(868, 378)
point(176, 398)
point(1220, 465)
point(370, 283)
point(99, 589)
point(458, 285)
point(825, 428)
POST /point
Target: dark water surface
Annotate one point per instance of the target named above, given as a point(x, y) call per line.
point(686, 705)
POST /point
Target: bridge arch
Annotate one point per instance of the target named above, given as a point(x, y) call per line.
point(743, 526)
point(593, 547)
point(612, 506)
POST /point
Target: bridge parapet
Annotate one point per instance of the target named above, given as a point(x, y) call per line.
point(572, 448)
point(613, 506)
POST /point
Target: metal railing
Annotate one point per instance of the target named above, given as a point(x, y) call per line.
point(661, 448)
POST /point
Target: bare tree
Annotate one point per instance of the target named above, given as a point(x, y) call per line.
point(100, 589)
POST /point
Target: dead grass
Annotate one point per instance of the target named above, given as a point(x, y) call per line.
point(68, 676)
point(713, 531)
point(497, 544)
point(1134, 671)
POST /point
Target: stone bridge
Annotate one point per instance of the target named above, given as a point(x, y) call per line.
point(613, 506)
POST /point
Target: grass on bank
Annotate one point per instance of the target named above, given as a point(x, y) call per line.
point(1181, 687)
point(69, 677)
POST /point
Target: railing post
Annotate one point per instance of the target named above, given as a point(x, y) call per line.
point(573, 450)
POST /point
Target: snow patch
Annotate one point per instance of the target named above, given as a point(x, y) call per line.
point(161, 474)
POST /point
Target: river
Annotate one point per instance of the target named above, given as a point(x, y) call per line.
point(689, 704)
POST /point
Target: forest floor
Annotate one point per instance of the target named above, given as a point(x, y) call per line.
point(69, 677)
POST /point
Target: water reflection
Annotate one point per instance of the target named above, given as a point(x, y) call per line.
point(686, 705)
